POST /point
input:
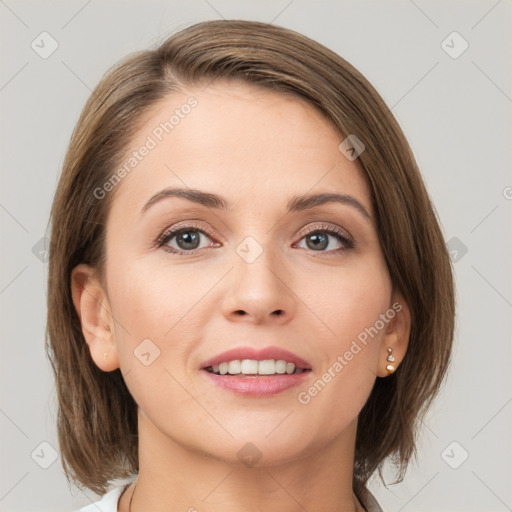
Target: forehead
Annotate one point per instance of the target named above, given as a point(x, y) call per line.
point(246, 143)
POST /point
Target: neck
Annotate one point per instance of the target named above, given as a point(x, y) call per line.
point(174, 477)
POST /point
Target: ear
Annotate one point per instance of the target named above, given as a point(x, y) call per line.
point(93, 308)
point(397, 336)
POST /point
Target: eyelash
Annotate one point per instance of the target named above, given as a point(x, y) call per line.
point(332, 230)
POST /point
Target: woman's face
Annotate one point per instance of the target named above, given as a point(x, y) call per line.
point(256, 274)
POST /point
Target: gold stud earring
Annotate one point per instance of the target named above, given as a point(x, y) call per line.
point(391, 359)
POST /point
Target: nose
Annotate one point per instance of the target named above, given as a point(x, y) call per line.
point(260, 291)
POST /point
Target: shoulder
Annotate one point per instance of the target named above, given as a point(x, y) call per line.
point(369, 502)
point(108, 502)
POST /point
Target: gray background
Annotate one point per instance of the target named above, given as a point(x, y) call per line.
point(456, 113)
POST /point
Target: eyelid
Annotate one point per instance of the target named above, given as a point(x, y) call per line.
point(332, 229)
point(185, 225)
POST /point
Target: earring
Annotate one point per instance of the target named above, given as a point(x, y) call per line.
point(106, 353)
point(391, 359)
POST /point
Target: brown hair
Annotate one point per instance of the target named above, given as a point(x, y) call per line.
point(97, 416)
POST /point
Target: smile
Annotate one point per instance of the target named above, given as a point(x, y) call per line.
point(255, 367)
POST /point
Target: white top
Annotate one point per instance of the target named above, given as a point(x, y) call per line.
point(110, 500)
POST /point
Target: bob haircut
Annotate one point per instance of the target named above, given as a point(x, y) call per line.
point(97, 416)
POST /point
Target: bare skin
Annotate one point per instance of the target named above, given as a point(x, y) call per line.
point(257, 149)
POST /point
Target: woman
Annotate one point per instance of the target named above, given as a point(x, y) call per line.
point(250, 302)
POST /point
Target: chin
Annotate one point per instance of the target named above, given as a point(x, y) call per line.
point(258, 449)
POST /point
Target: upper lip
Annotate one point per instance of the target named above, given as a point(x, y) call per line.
point(241, 353)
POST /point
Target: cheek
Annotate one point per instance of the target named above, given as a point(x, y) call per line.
point(349, 301)
point(156, 303)
point(351, 306)
point(161, 312)
point(154, 311)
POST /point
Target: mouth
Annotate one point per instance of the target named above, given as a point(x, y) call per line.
point(253, 362)
point(256, 372)
point(255, 368)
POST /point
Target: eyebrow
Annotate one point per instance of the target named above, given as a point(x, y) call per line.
point(295, 204)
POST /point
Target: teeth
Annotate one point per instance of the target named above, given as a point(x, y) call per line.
point(254, 367)
point(281, 366)
point(267, 367)
point(234, 367)
point(249, 366)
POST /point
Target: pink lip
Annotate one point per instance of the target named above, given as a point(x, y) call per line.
point(259, 354)
point(255, 386)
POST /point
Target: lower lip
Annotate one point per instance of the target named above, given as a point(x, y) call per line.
point(257, 385)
